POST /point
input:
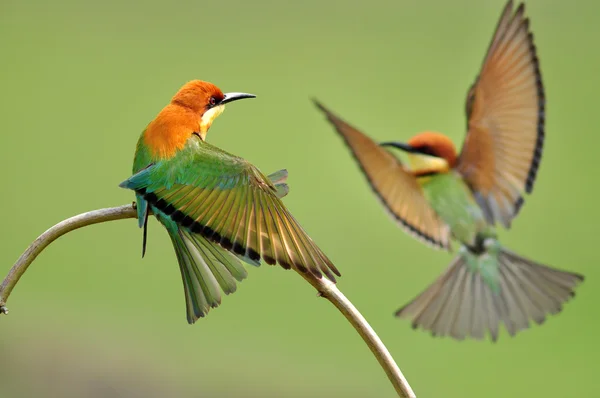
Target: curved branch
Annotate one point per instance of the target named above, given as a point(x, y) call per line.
point(326, 288)
point(329, 290)
point(68, 225)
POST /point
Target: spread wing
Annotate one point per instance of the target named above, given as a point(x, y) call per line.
point(505, 112)
point(228, 201)
point(396, 187)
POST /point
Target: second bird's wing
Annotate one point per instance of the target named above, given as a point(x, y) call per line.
point(505, 112)
point(397, 189)
point(229, 201)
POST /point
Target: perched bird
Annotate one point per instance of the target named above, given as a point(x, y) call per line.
point(217, 208)
point(443, 195)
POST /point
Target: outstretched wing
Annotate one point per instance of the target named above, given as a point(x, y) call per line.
point(505, 112)
point(396, 188)
point(230, 202)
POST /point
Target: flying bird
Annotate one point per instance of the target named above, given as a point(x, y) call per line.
point(442, 196)
point(218, 209)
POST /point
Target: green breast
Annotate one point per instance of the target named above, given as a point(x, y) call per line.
point(453, 201)
point(142, 155)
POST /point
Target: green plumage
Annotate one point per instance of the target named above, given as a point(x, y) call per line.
point(452, 200)
point(218, 209)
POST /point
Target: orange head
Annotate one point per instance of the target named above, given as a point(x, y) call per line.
point(198, 95)
point(428, 152)
point(191, 111)
point(434, 144)
point(206, 100)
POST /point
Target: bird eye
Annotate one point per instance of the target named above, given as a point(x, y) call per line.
point(212, 101)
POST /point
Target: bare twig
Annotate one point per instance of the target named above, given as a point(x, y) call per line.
point(329, 290)
point(326, 288)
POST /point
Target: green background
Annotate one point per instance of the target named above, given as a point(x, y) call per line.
point(79, 81)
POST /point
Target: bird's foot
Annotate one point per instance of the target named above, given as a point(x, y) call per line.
point(3, 310)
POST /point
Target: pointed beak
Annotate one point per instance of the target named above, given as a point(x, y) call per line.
point(230, 97)
point(400, 145)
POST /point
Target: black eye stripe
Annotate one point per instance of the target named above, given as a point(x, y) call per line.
point(426, 150)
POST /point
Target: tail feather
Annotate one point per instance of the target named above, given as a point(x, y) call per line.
point(196, 303)
point(220, 267)
point(197, 265)
point(432, 304)
point(463, 302)
point(206, 269)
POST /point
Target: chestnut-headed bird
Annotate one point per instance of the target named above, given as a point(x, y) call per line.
point(443, 195)
point(218, 209)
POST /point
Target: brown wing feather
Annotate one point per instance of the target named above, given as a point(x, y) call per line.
point(505, 112)
point(397, 188)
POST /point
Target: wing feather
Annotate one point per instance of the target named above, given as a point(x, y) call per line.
point(505, 112)
point(228, 201)
point(396, 188)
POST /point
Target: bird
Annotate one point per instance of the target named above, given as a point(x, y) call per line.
point(442, 196)
point(219, 210)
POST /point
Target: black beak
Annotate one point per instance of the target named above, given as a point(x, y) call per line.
point(400, 145)
point(230, 97)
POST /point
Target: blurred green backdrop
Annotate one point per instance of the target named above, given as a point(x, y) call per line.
point(79, 81)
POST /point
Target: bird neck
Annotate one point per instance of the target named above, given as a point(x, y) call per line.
point(208, 117)
point(423, 165)
point(168, 133)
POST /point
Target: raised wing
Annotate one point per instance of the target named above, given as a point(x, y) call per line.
point(396, 188)
point(505, 112)
point(228, 201)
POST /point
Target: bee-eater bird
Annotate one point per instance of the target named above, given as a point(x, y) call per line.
point(443, 195)
point(217, 208)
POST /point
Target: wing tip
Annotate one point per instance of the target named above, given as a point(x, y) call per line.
point(318, 104)
point(329, 115)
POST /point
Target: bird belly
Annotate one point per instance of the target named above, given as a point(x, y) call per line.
point(453, 202)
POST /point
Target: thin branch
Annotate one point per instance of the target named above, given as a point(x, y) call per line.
point(68, 225)
point(329, 290)
point(326, 288)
